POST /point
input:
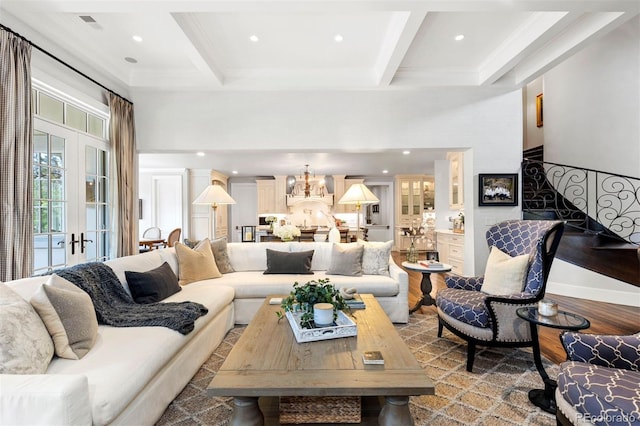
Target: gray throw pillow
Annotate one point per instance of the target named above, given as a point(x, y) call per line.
point(154, 285)
point(284, 262)
point(346, 260)
point(220, 254)
point(68, 313)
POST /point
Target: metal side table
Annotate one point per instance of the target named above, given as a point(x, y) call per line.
point(545, 398)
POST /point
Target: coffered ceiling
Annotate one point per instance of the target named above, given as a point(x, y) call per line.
point(317, 44)
point(373, 45)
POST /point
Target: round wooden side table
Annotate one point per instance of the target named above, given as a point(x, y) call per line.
point(425, 285)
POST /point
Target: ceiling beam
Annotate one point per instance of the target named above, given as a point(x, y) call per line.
point(529, 37)
point(583, 31)
point(402, 30)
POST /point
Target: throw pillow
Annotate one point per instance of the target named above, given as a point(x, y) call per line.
point(346, 260)
point(220, 254)
point(197, 263)
point(281, 262)
point(154, 285)
point(69, 315)
point(504, 274)
point(25, 344)
point(375, 259)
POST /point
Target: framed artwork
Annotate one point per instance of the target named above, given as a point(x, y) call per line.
point(539, 110)
point(498, 189)
point(433, 255)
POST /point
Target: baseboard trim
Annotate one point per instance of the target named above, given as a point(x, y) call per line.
point(570, 280)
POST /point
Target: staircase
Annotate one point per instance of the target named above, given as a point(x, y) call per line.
point(601, 211)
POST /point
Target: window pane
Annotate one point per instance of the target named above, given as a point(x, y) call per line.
point(51, 108)
point(57, 184)
point(40, 251)
point(91, 160)
point(102, 190)
point(103, 217)
point(43, 181)
point(40, 147)
point(58, 250)
point(92, 217)
point(90, 189)
point(103, 166)
point(34, 103)
point(57, 217)
point(76, 118)
point(57, 151)
point(90, 245)
point(96, 126)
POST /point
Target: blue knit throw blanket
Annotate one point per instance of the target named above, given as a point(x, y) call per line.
point(115, 307)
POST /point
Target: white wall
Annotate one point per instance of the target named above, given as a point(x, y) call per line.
point(487, 120)
point(592, 105)
point(533, 135)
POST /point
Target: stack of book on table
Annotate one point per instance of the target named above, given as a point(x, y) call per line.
point(356, 302)
point(431, 264)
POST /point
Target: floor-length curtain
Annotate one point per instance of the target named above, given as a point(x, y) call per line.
point(123, 147)
point(16, 148)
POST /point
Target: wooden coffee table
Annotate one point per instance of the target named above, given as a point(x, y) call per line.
point(268, 362)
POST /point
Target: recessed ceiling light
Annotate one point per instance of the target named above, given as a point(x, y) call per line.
point(137, 38)
point(406, 152)
point(131, 60)
point(254, 38)
point(459, 37)
point(200, 154)
point(385, 171)
point(338, 38)
point(235, 172)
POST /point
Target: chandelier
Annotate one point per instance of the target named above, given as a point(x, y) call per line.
point(308, 184)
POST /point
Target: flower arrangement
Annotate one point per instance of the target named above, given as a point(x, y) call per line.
point(270, 219)
point(287, 232)
point(304, 296)
point(415, 233)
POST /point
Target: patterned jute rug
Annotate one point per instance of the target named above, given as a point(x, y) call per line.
point(494, 394)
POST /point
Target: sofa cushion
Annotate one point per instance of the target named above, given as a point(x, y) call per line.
point(154, 285)
point(252, 284)
point(321, 253)
point(253, 256)
point(504, 274)
point(68, 313)
point(197, 263)
point(137, 263)
point(25, 344)
point(596, 390)
point(279, 262)
point(346, 260)
point(221, 256)
point(375, 258)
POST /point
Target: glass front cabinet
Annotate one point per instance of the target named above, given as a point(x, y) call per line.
point(414, 196)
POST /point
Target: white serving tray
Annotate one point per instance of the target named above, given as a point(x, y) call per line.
point(345, 327)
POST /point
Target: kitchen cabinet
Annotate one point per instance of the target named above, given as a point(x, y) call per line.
point(451, 249)
point(456, 189)
point(266, 189)
point(414, 196)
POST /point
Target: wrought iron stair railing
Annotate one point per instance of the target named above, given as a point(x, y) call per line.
point(593, 201)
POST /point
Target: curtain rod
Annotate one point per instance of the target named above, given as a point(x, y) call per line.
point(63, 62)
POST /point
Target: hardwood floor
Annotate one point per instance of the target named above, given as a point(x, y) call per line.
point(605, 318)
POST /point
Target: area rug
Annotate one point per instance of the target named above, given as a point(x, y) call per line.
point(494, 394)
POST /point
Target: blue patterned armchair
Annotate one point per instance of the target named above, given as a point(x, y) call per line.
point(600, 381)
point(489, 320)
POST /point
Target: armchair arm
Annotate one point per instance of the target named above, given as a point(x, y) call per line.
point(44, 399)
point(605, 350)
point(463, 283)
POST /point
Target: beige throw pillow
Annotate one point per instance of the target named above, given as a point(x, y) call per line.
point(504, 274)
point(69, 315)
point(196, 264)
point(25, 344)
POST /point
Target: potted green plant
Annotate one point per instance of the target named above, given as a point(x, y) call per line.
point(303, 297)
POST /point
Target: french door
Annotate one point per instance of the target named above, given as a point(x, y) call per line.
point(70, 197)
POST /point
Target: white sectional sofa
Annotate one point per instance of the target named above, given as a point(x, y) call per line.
point(131, 374)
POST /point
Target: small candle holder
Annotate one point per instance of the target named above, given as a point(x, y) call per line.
point(323, 314)
point(547, 308)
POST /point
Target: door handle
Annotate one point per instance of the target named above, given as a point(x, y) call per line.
point(82, 241)
point(73, 243)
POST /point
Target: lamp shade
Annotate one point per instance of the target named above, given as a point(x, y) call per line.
point(214, 195)
point(358, 193)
